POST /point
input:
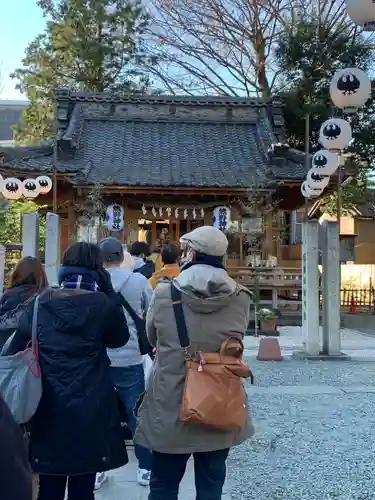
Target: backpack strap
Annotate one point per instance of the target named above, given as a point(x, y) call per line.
point(179, 317)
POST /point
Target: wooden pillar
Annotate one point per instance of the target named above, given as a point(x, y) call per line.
point(72, 222)
point(153, 233)
point(124, 232)
point(267, 242)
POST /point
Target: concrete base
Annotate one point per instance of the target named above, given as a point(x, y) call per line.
point(301, 355)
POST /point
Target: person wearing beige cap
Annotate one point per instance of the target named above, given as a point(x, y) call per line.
point(215, 308)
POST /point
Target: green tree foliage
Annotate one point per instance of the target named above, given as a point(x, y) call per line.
point(87, 45)
point(11, 228)
point(308, 55)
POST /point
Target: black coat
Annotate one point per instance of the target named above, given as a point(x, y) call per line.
point(15, 472)
point(76, 429)
point(11, 298)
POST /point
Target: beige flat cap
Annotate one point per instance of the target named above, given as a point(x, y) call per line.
point(208, 240)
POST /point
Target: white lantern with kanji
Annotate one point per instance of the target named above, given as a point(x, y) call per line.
point(12, 189)
point(350, 89)
point(335, 134)
point(325, 163)
point(115, 217)
point(362, 12)
point(30, 188)
point(221, 218)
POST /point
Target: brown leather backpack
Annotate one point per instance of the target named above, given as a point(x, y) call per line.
point(214, 395)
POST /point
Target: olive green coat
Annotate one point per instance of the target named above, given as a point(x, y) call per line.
point(215, 308)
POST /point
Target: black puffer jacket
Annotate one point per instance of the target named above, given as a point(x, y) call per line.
point(76, 429)
point(9, 301)
point(15, 472)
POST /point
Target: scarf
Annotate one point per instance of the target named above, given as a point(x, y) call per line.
point(208, 260)
point(78, 277)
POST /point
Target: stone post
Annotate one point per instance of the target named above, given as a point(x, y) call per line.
point(310, 288)
point(2, 268)
point(30, 234)
point(331, 289)
point(52, 249)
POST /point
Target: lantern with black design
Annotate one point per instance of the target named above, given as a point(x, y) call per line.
point(12, 189)
point(221, 218)
point(350, 89)
point(115, 217)
point(335, 134)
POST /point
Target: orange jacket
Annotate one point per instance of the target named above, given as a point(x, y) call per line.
point(168, 271)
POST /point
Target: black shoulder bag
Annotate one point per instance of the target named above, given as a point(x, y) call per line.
point(140, 324)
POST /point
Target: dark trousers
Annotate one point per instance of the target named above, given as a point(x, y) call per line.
point(130, 383)
point(79, 487)
point(168, 470)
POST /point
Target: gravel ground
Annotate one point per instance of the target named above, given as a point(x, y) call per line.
point(292, 372)
point(310, 447)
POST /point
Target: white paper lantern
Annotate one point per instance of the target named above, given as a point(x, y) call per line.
point(316, 181)
point(221, 218)
point(30, 188)
point(335, 134)
point(350, 89)
point(45, 184)
point(325, 162)
point(115, 217)
point(362, 12)
point(12, 188)
point(309, 192)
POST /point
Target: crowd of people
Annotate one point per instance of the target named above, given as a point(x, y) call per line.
point(92, 366)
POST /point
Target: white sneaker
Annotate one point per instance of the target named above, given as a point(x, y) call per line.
point(143, 477)
point(101, 478)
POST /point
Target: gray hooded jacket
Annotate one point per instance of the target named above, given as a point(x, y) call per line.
point(135, 288)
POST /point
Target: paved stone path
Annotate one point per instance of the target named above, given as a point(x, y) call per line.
point(122, 485)
point(314, 430)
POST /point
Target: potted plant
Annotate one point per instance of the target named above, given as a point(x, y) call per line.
point(267, 318)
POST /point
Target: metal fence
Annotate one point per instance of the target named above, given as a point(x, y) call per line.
point(358, 298)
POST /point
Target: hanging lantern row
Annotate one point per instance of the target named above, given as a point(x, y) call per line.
point(350, 89)
point(13, 189)
point(168, 211)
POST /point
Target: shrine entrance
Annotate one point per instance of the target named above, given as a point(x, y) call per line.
point(161, 232)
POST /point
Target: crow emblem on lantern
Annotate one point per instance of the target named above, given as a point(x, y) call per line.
point(324, 163)
point(350, 89)
point(335, 134)
point(12, 188)
point(30, 188)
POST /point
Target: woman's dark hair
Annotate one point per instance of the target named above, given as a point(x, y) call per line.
point(29, 271)
point(140, 248)
point(170, 254)
point(82, 254)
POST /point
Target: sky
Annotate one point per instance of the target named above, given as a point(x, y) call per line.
point(20, 22)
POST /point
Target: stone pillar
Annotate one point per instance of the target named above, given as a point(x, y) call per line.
point(30, 235)
point(2, 268)
point(310, 288)
point(52, 251)
point(331, 289)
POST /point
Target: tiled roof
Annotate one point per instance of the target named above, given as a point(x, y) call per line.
point(124, 148)
point(171, 154)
